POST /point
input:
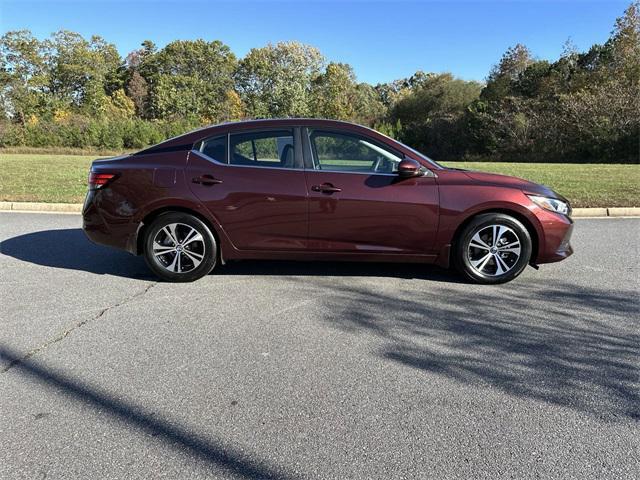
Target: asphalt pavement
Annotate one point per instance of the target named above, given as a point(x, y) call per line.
point(315, 370)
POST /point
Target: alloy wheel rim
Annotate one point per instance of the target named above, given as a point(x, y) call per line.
point(178, 248)
point(494, 250)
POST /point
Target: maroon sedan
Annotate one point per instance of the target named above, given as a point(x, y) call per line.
point(304, 189)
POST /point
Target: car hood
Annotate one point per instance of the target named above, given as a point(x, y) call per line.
point(495, 179)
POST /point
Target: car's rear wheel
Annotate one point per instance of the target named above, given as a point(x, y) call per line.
point(179, 247)
point(493, 248)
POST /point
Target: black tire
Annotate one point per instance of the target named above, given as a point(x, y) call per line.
point(181, 264)
point(484, 261)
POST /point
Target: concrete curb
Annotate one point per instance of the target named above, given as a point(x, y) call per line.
point(606, 212)
point(590, 212)
point(623, 211)
point(77, 208)
point(41, 207)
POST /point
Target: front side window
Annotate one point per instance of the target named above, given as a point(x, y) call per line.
point(273, 149)
point(350, 153)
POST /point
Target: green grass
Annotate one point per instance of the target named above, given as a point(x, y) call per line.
point(63, 178)
point(44, 178)
point(585, 185)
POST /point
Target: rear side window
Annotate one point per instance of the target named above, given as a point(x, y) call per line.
point(215, 148)
point(274, 148)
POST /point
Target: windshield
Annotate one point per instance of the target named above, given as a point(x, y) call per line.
point(424, 157)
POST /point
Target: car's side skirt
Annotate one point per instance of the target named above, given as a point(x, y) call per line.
point(328, 256)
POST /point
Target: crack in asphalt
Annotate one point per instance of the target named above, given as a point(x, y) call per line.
point(74, 327)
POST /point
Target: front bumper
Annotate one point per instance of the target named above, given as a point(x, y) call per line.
point(557, 230)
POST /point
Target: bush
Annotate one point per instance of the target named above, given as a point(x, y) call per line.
point(11, 135)
point(83, 132)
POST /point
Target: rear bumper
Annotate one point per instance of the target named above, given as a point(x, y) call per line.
point(104, 228)
point(557, 230)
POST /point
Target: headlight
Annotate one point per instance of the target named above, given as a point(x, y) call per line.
point(552, 204)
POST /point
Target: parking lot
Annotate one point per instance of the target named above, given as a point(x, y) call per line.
point(316, 370)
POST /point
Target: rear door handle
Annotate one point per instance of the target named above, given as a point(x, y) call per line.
point(326, 188)
point(206, 180)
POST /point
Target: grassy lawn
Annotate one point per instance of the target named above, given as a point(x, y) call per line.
point(585, 185)
point(63, 178)
point(44, 178)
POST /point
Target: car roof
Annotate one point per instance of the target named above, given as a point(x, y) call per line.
point(186, 141)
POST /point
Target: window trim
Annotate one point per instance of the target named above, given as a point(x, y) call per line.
point(297, 148)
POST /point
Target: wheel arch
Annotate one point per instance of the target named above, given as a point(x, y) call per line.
point(522, 218)
point(153, 214)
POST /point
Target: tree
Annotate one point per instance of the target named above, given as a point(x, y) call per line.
point(502, 76)
point(334, 93)
point(138, 92)
point(625, 44)
point(368, 106)
point(392, 92)
point(602, 122)
point(24, 75)
point(138, 64)
point(142, 60)
point(80, 70)
point(121, 106)
point(275, 81)
point(430, 114)
point(233, 108)
point(189, 78)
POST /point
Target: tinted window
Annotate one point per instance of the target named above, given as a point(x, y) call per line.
point(263, 149)
point(350, 153)
point(215, 148)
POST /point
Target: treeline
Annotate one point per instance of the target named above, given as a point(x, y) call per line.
point(67, 91)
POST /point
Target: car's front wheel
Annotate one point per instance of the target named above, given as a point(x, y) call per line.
point(179, 247)
point(493, 248)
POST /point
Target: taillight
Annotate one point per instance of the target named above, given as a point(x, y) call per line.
point(99, 180)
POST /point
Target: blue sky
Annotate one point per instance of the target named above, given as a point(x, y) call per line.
point(382, 40)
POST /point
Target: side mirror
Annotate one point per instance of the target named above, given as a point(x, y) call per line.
point(408, 168)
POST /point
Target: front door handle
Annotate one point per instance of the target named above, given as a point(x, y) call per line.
point(326, 188)
point(206, 180)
